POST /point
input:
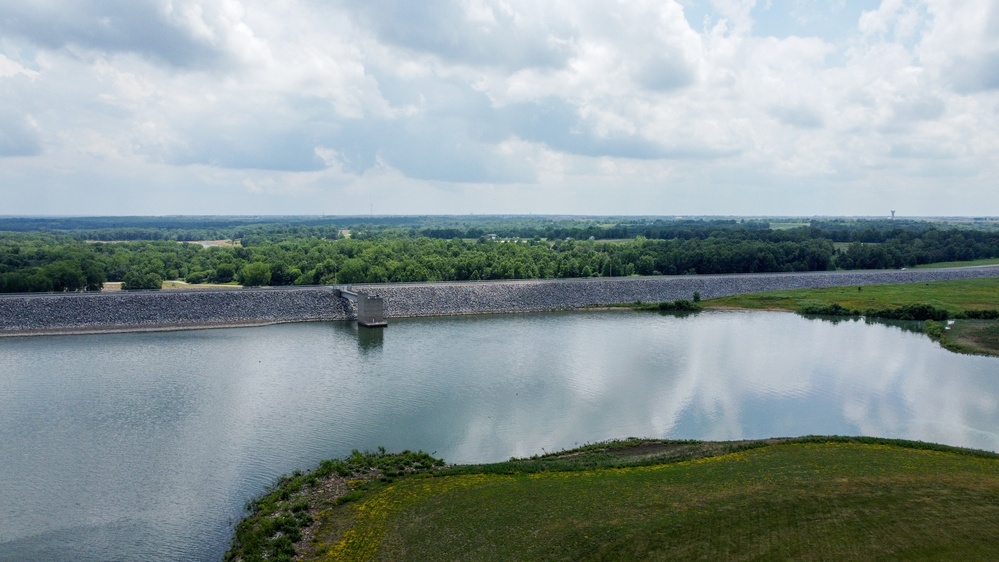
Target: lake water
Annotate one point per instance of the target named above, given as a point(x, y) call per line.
point(147, 446)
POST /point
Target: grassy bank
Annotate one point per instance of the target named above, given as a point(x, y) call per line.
point(800, 499)
point(971, 263)
point(966, 301)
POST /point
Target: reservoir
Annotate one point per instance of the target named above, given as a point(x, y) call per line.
point(147, 446)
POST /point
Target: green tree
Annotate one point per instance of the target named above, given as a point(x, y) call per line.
point(135, 280)
point(95, 277)
point(282, 275)
point(65, 275)
point(224, 272)
point(255, 274)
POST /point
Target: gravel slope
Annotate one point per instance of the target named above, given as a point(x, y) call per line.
point(175, 309)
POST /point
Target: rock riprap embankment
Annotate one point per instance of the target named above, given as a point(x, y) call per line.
point(444, 299)
point(192, 309)
point(166, 309)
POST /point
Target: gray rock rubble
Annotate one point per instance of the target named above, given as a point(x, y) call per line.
point(201, 308)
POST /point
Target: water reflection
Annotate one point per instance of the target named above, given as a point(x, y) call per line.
point(150, 444)
point(914, 326)
point(717, 376)
point(370, 339)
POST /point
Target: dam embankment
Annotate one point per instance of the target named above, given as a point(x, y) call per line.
point(23, 314)
point(164, 310)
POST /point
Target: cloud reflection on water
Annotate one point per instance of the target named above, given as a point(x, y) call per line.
point(737, 375)
point(153, 442)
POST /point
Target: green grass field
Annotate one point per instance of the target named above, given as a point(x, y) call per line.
point(809, 499)
point(954, 296)
point(178, 284)
point(990, 261)
point(788, 225)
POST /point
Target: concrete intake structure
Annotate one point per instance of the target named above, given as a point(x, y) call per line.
point(370, 308)
point(53, 313)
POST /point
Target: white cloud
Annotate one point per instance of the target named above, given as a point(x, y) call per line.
point(596, 106)
point(9, 68)
point(961, 45)
point(510, 34)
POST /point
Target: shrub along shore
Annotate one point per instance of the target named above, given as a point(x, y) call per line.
point(22, 314)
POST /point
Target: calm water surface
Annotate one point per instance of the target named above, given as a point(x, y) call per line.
point(147, 446)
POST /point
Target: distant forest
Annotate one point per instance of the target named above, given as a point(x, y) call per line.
point(84, 253)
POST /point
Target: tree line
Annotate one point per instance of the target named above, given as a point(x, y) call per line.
point(309, 253)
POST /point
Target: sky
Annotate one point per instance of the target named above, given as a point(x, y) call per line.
point(609, 107)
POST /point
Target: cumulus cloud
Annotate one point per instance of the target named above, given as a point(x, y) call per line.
point(665, 73)
point(797, 116)
point(976, 73)
point(732, 106)
point(18, 136)
point(9, 69)
point(183, 34)
point(961, 45)
point(475, 32)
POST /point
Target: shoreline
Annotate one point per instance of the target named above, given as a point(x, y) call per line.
point(175, 310)
point(144, 328)
point(326, 510)
point(141, 328)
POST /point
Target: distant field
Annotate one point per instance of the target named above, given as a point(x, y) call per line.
point(992, 261)
point(818, 499)
point(845, 245)
point(204, 243)
point(214, 243)
point(176, 284)
point(112, 286)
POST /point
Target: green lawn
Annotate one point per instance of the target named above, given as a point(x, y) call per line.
point(991, 261)
point(954, 296)
point(797, 500)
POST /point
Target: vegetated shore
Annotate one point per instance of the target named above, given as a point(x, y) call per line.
point(120, 311)
point(963, 315)
point(811, 498)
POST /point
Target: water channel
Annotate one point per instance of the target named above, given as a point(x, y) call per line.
point(147, 446)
